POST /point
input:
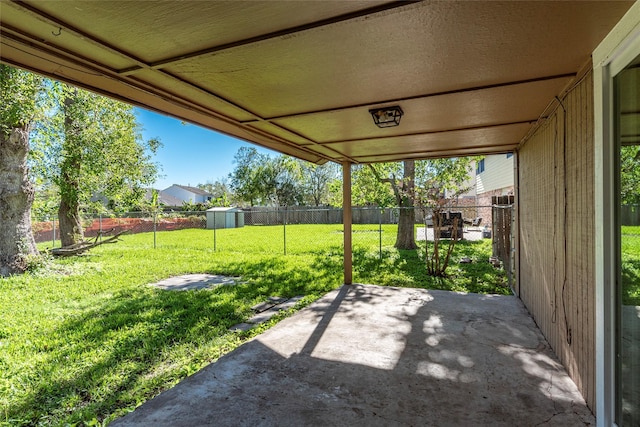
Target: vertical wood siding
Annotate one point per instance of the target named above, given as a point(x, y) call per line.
point(556, 220)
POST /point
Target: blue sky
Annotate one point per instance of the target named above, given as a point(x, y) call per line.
point(190, 154)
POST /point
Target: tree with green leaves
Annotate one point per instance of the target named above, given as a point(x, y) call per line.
point(630, 175)
point(222, 195)
point(287, 181)
point(366, 187)
point(316, 180)
point(21, 105)
point(439, 182)
point(245, 180)
point(401, 178)
point(92, 146)
point(384, 185)
point(402, 184)
point(261, 179)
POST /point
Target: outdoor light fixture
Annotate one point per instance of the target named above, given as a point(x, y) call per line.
point(386, 117)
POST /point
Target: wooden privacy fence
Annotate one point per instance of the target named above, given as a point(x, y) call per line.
point(630, 215)
point(360, 215)
point(502, 221)
point(302, 215)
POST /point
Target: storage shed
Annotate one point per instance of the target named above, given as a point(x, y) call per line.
point(225, 218)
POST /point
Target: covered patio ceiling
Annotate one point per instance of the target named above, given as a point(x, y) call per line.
point(301, 77)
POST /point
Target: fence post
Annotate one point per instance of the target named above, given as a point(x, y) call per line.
point(155, 215)
point(284, 226)
point(380, 210)
point(53, 223)
point(502, 220)
point(100, 226)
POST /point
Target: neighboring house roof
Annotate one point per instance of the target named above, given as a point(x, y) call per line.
point(163, 198)
point(194, 190)
point(169, 200)
point(224, 209)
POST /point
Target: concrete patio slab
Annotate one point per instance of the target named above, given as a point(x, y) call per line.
point(474, 234)
point(371, 355)
point(194, 281)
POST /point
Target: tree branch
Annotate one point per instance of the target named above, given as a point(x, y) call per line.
point(391, 181)
point(86, 245)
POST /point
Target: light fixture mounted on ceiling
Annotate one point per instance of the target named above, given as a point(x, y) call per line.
point(387, 117)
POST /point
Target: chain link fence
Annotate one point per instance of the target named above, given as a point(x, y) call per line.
point(264, 230)
point(98, 225)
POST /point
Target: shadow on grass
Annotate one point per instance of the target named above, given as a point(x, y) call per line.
point(369, 355)
point(137, 342)
point(631, 281)
point(406, 268)
point(140, 341)
point(112, 355)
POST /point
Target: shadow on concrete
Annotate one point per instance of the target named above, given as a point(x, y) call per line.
point(370, 355)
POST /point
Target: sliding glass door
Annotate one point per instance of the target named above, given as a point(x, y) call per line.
point(626, 86)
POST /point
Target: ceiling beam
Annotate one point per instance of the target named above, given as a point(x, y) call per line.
point(85, 65)
point(156, 66)
point(312, 142)
point(415, 97)
point(461, 152)
point(63, 25)
point(273, 35)
point(11, 33)
point(74, 65)
point(434, 132)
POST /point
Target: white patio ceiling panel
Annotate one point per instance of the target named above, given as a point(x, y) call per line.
point(432, 113)
point(498, 139)
point(300, 77)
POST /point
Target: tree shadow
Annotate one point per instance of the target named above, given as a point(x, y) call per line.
point(369, 355)
point(135, 342)
point(112, 347)
point(406, 268)
point(630, 281)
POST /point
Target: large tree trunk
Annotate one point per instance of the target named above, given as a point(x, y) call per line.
point(69, 211)
point(16, 197)
point(405, 238)
point(70, 226)
point(406, 221)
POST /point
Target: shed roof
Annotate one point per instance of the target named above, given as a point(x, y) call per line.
point(301, 77)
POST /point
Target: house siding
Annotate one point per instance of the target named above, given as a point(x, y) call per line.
point(498, 174)
point(496, 180)
point(180, 193)
point(556, 233)
point(184, 194)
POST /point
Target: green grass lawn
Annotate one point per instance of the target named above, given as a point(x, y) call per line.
point(631, 265)
point(84, 340)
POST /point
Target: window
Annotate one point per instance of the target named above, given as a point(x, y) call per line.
point(480, 167)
